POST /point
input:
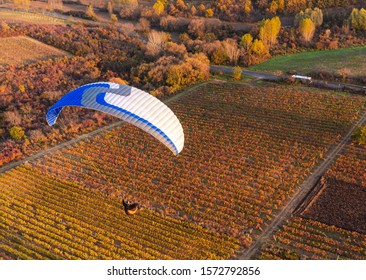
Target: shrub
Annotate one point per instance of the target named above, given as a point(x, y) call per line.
point(359, 136)
point(16, 132)
point(236, 73)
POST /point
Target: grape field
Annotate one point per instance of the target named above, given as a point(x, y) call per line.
point(247, 150)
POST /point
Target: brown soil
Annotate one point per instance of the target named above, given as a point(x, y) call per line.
point(341, 204)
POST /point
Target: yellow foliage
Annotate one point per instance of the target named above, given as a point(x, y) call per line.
point(307, 29)
point(209, 13)
point(158, 7)
point(269, 31)
point(118, 81)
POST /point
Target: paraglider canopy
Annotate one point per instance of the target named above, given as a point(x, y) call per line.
point(129, 104)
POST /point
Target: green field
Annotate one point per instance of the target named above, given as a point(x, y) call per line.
point(330, 60)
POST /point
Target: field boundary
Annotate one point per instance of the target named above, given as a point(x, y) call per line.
point(311, 196)
point(304, 189)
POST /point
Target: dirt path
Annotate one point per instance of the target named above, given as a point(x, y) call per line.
point(298, 197)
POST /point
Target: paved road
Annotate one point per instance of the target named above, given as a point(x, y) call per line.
point(298, 197)
point(268, 76)
point(259, 75)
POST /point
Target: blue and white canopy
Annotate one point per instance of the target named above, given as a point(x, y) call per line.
point(129, 104)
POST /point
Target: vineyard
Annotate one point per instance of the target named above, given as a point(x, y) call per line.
point(23, 50)
point(25, 17)
point(334, 225)
point(306, 239)
point(247, 150)
point(48, 218)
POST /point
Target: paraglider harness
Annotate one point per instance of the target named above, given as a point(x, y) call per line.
point(130, 208)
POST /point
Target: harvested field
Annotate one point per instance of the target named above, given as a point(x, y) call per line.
point(24, 50)
point(341, 204)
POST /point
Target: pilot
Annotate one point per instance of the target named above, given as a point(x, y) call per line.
point(130, 208)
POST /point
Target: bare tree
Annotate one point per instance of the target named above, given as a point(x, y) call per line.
point(144, 25)
point(156, 41)
point(36, 135)
point(232, 51)
point(12, 117)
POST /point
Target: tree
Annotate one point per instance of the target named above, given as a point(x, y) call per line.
point(155, 42)
point(276, 6)
point(273, 7)
point(236, 73)
point(359, 136)
point(181, 5)
point(315, 15)
point(196, 27)
point(110, 7)
point(257, 53)
point(193, 69)
point(344, 72)
point(144, 25)
point(258, 48)
point(193, 10)
point(37, 136)
point(118, 80)
point(232, 51)
point(128, 7)
point(247, 7)
point(158, 7)
point(294, 6)
point(202, 9)
point(209, 13)
point(307, 29)
point(357, 19)
point(114, 18)
point(281, 6)
point(129, 4)
point(269, 31)
point(4, 26)
point(16, 133)
point(246, 41)
point(219, 55)
point(90, 12)
point(12, 117)
point(177, 50)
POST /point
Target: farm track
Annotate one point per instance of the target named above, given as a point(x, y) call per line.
point(93, 133)
point(305, 188)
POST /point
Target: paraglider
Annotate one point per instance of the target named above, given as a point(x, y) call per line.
point(130, 208)
point(131, 105)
